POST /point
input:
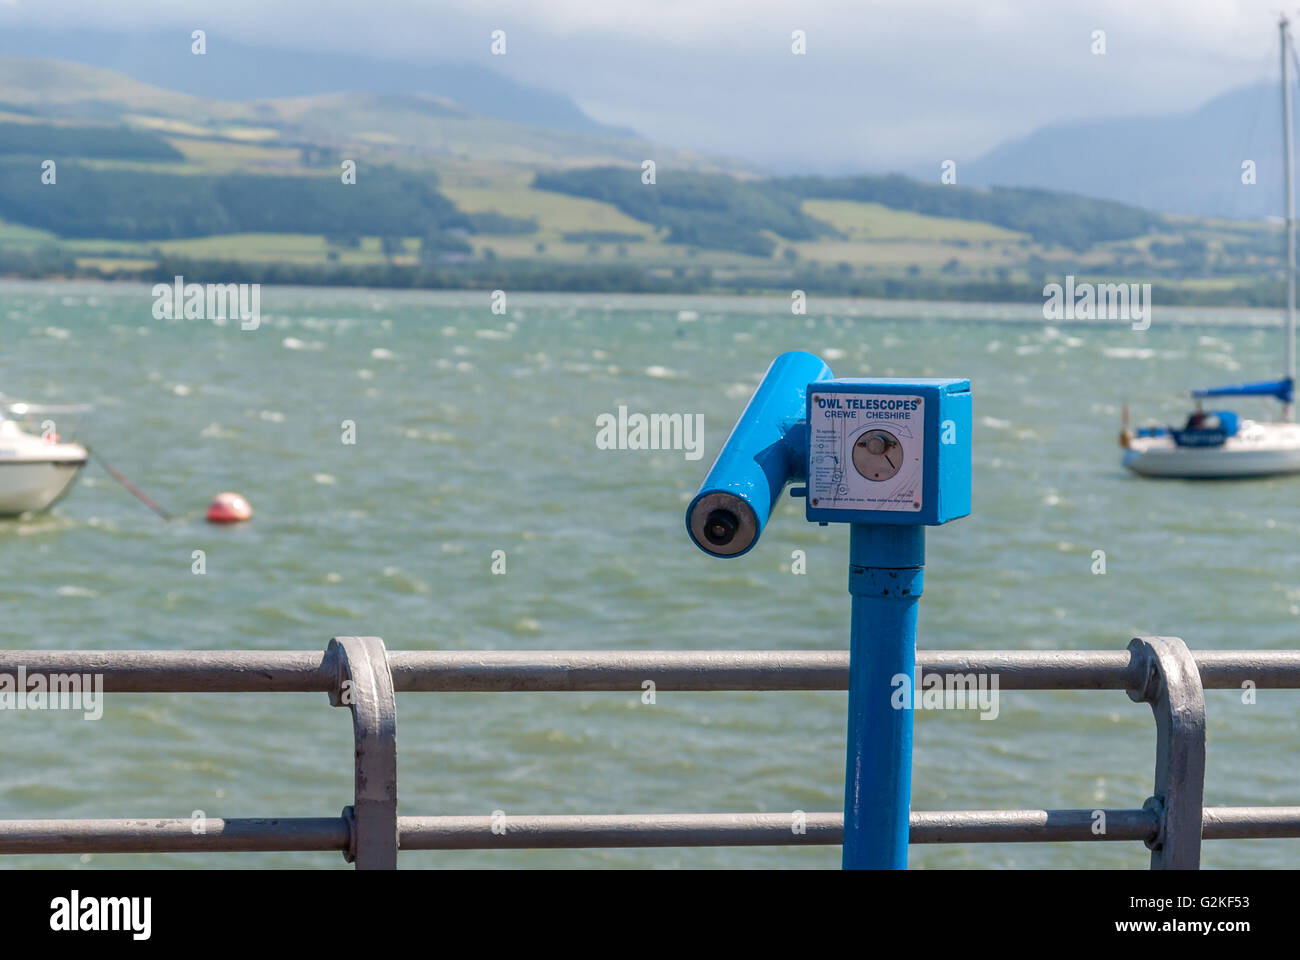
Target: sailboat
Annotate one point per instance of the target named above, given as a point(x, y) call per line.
point(1217, 443)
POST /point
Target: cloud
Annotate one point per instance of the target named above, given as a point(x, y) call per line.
point(894, 84)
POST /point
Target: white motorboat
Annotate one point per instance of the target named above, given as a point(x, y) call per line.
point(35, 471)
point(1216, 443)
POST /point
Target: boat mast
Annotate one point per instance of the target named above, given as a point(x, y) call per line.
point(1288, 410)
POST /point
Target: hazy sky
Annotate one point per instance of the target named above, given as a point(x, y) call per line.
point(901, 84)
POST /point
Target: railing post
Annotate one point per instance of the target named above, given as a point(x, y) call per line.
point(365, 685)
point(1172, 685)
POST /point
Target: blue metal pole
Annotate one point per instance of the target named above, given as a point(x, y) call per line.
point(886, 574)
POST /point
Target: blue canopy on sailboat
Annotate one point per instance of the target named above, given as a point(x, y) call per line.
point(1206, 429)
point(1283, 389)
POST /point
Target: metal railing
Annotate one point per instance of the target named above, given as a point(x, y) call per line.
point(358, 673)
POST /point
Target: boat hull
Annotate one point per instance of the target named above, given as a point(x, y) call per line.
point(32, 486)
point(1259, 450)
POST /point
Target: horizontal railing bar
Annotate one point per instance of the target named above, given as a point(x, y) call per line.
point(1039, 669)
point(183, 671)
point(179, 835)
point(1032, 826)
point(1223, 669)
point(617, 830)
point(1246, 823)
point(758, 829)
point(620, 830)
point(575, 670)
point(519, 670)
point(209, 671)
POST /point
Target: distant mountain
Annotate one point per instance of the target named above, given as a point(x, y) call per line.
point(376, 123)
point(235, 71)
point(52, 88)
point(1188, 163)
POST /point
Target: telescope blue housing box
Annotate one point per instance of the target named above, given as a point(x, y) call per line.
point(888, 451)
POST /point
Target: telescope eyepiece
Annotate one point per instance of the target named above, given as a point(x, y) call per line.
point(720, 527)
point(722, 524)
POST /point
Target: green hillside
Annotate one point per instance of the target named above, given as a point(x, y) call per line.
point(123, 143)
point(150, 181)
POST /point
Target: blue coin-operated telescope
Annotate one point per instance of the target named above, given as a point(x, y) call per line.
point(890, 457)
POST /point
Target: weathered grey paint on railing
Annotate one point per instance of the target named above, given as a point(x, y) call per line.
point(185, 671)
point(760, 829)
point(631, 830)
point(179, 835)
point(1173, 689)
point(214, 671)
point(1250, 823)
point(364, 684)
point(1160, 671)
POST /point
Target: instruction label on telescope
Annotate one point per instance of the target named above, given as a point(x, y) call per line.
point(866, 451)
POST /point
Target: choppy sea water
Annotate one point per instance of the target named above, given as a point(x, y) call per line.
point(476, 432)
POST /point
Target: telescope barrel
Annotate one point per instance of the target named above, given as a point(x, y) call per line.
point(766, 450)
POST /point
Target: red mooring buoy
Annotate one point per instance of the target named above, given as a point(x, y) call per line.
point(229, 508)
